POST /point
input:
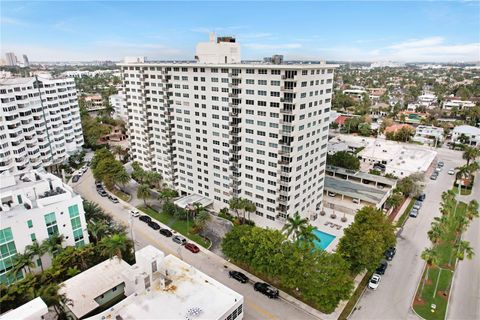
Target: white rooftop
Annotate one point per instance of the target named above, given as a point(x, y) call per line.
point(469, 130)
point(189, 290)
point(32, 310)
point(192, 199)
point(88, 285)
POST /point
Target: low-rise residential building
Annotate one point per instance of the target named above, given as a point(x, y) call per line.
point(429, 135)
point(396, 127)
point(155, 287)
point(34, 206)
point(94, 102)
point(356, 94)
point(427, 100)
point(466, 134)
point(457, 102)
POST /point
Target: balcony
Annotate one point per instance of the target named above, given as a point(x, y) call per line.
point(283, 183)
point(233, 95)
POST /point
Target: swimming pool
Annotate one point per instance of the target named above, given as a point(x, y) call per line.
point(324, 239)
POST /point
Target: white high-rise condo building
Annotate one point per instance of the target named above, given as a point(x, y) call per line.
point(34, 206)
point(255, 130)
point(11, 59)
point(39, 122)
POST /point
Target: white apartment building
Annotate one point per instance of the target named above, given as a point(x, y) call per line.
point(155, 287)
point(94, 102)
point(117, 101)
point(429, 135)
point(471, 134)
point(35, 205)
point(257, 131)
point(458, 103)
point(39, 122)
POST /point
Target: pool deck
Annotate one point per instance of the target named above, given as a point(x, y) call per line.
point(321, 224)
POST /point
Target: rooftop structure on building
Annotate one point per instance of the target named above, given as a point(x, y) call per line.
point(246, 129)
point(456, 102)
point(40, 122)
point(155, 287)
point(35, 205)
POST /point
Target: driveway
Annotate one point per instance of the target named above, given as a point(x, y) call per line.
point(393, 297)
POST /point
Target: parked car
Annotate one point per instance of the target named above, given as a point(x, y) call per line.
point(191, 247)
point(438, 169)
point(113, 199)
point(413, 213)
point(434, 177)
point(374, 281)
point(237, 275)
point(102, 192)
point(154, 225)
point(390, 253)
point(332, 194)
point(179, 239)
point(145, 219)
point(451, 172)
point(417, 205)
point(98, 183)
point(134, 213)
point(166, 232)
point(355, 200)
point(266, 289)
point(421, 197)
point(75, 178)
point(440, 164)
point(382, 268)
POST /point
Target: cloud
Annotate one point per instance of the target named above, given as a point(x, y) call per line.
point(12, 21)
point(418, 43)
point(280, 46)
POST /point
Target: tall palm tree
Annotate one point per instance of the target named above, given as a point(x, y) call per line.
point(167, 194)
point(436, 233)
point(235, 204)
point(35, 250)
point(248, 206)
point(464, 249)
point(118, 151)
point(143, 192)
point(21, 262)
point(430, 256)
point(294, 226)
point(51, 297)
point(53, 244)
point(122, 178)
point(114, 245)
point(153, 178)
point(472, 210)
point(470, 153)
point(92, 210)
point(307, 235)
point(97, 230)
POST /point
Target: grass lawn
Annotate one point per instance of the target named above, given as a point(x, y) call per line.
point(125, 197)
point(464, 192)
point(178, 225)
point(405, 214)
point(440, 299)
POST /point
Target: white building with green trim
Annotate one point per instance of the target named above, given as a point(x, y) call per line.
point(34, 206)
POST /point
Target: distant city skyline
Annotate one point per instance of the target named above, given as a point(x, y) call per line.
point(344, 31)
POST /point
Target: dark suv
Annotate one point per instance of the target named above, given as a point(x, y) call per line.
point(390, 253)
point(382, 268)
point(166, 232)
point(237, 275)
point(153, 225)
point(266, 289)
point(145, 219)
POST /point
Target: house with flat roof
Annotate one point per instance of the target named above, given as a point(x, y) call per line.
point(466, 134)
point(155, 287)
point(457, 102)
point(35, 309)
point(429, 135)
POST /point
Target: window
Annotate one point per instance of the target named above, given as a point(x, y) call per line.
point(51, 223)
point(29, 224)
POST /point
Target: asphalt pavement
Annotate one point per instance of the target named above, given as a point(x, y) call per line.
point(257, 306)
point(397, 288)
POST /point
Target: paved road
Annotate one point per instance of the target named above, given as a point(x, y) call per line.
point(393, 297)
point(257, 306)
point(465, 298)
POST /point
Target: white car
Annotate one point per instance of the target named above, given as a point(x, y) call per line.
point(134, 213)
point(374, 281)
point(451, 172)
point(438, 169)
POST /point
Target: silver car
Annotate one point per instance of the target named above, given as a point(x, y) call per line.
point(179, 239)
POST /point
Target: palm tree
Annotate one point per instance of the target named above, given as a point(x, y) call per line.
point(122, 178)
point(235, 204)
point(294, 225)
point(463, 248)
point(51, 297)
point(35, 250)
point(430, 256)
point(436, 233)
point(118, 151)
point(143, 192)
point(114, 245)
point(53, 244)
point(248, 206)
point(97, 230)
point(307, 235)
point(470, 153)
point(153, 178)
point(92, 210)
point(472, 210)
point(20, 263)
point(166, 194)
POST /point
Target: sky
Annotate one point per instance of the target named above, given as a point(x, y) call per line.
point(405, 31)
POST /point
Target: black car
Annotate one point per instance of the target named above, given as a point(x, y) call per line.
point(75, 178)
point(390, 253)
point(153, 225)
point(145, 219)
point(237, 275)
point(98, 184)
point(166, 232)
point(382, 268)
point(421, 197)
point(266, 289)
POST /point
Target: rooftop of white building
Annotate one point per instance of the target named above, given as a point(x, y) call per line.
point(32, 310)
point(465, 129)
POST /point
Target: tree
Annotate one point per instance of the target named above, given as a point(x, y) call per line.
point(153, 178)
point(307, 235)
point(430, 256)
point(294, 225)
point(35, 250)
point(248, 206)
point(167, 194)
point(464, 249)
point(344, 159)
point(51, 297)
point(235, 204)
point(470, 153)
point(394, 200)
point(411, 186)
point(21, 262)
point(122, 177)
point(364, 129)
point(115, 245)
point(92, 211)
point(143, 192)
point(472, 210)
point(366, 239)
point(53, 244)
point(97, 230)
point(118, 151)
point(342, 101)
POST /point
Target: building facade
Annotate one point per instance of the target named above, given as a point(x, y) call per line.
point(39, 122)
point(256, 131)
point(117, 101)
point(467, 135)
point(94, 102)
point(34, 206)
